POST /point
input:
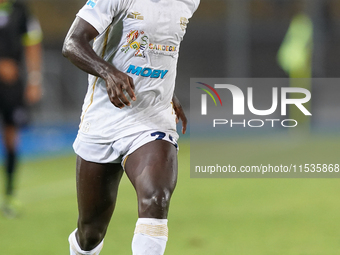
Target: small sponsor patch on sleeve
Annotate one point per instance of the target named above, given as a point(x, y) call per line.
point(91, 3)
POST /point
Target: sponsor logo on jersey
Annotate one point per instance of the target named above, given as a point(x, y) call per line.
point(161, 47)
point(91, 3)
point(183, 23)
point(137, 41)
point(146, 72)
point(135, 15)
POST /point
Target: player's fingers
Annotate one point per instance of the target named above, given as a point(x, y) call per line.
point(113, 98)
point(184, 123)
point(181, 115)
point(130, 89)
point(132, 84)
point(120, 94)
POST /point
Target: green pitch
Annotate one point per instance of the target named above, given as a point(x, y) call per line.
point(207, 216)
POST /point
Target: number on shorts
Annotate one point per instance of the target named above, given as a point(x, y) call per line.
point(161, 135)
point(171, 139)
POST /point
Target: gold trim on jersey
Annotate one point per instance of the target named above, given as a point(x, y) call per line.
point(183, 22)
point(124, 162)
point(173, 108)
point(135, 15)
point(95, 81)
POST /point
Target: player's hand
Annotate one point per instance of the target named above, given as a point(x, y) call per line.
point(33, 93)
point(116, 83)
point(180, 115)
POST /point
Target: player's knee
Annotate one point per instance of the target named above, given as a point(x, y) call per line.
point(156, 203)
point(89, 237)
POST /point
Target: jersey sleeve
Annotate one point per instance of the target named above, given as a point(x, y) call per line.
point(196, 4)
point(100, 13)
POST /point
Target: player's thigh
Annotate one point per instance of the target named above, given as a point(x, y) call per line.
point(152, 169)
point(97, 187)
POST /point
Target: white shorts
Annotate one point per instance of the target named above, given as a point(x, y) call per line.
point(117, 151)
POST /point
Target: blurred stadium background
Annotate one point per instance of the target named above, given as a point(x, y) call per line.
point(225, 38)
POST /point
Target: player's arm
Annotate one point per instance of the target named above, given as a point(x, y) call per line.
point(33, 56)
point(34, 79)
point(78, 50)
point(180, 115)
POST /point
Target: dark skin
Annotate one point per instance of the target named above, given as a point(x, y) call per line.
point(152, 169)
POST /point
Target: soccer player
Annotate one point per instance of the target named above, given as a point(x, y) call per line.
point(129, 115)
point(20, 41)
